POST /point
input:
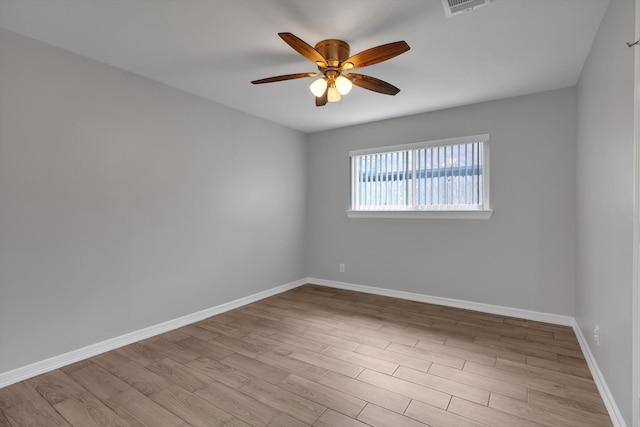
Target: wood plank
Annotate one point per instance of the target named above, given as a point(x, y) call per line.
point(567, 380)
point(191, 408)
point(99, 381)
point(377, 416)
point(569, 335)
point(255, 368)
point(220, 372)
point(546, 415)
point(237, 422)
point(332, 340)
point(456, 352)
point(182, 375)
point(486, 349)
point(358, 338)
point(567, 368)
point(221, 329)
point(541, 328)
point(16, 394)
point(266, 344)
point(56, 387)
point(406, 388)
point(526, 344)
point(239, 345)
point(140, 411)
point(568, 341)
point(429, 354)
point(436, 417)
point(174, 335)
point(34, 412)
point(253, 324)
point(201, 333)
point(284, 420)
point(445, 385)
point(517, 391)
point(285, 401)
point(110, 360)
point(329, 363)
point(75, 366)
point(294, 366)
point(365, 391)
point(88, 411)
point(173, 350)
point(323, 395)
point(238, 404)
point(487, 415)
point(393, 357)
point(302, 342)
point(419, 332)
point(588, 397)
point(333, 419)
point(362, 360)
point(140, 354)
point(572, 408)
point(140, 378)
point(398, 339)
point(4, 422)
point(532, 382)
point(515, 347)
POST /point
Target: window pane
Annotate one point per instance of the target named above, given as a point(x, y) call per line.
point(449, 177)
point(383, 181)
point(446, 177)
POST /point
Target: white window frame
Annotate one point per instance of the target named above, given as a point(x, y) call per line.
point(484, 213)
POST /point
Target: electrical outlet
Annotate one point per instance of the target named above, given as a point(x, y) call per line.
point(596, 335)
point(341, 267)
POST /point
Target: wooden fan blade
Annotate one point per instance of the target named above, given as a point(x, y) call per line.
point(322, 100)
point(375, 55)
point(284, 77)
point(304, 49)
point(371, 83)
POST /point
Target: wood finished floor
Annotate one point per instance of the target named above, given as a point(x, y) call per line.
point(317, 356)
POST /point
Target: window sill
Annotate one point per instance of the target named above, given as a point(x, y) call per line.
point(486, 214)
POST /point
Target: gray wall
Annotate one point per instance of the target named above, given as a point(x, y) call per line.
point(604, 226)
point(523, 257)
point(125, 203)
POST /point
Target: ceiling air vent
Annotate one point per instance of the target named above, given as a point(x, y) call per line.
point(454, 7)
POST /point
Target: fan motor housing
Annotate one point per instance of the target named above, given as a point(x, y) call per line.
point(335, 51)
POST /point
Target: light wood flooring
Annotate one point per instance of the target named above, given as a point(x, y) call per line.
point(317, 356)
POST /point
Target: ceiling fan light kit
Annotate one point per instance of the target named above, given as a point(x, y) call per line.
point(331, 56)
point(337, 87)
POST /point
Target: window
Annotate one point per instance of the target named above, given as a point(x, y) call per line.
point(435, 179)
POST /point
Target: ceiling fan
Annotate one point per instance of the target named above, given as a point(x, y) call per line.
point(332, 58)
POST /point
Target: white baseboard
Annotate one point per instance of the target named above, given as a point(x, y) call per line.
point(449, 302)
point(607, 397)
point(37, 368)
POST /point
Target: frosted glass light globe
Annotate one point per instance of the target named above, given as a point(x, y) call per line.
point(343, 85)
point(333, 95)
point(318, 87)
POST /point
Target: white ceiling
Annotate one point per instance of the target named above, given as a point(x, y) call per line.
point(214, 48)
